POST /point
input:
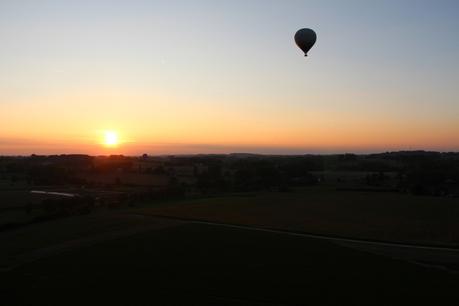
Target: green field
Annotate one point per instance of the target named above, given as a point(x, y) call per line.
point(367, 215)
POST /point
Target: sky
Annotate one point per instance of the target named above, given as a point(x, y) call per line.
point(183, 77)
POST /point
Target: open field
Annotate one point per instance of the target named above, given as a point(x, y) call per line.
point(14, 198)
point(130, 257)
point(193, 264)
point(35, 241)
point(364, 215)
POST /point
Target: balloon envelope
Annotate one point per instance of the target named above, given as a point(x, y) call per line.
point(305, 39)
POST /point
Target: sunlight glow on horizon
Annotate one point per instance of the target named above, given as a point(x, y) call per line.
point(111, 138)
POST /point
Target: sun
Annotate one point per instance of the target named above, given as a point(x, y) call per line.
point(111, 138)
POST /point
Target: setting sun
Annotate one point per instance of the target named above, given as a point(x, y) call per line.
point(110, 138)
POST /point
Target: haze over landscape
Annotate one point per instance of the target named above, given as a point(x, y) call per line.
point(225, 76)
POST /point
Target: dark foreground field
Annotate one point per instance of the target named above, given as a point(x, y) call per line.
point(162, 254)
point(121, 259)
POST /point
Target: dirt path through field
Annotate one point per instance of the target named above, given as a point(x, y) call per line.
point(437, 257)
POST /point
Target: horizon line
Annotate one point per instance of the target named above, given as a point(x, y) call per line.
point(229, 153)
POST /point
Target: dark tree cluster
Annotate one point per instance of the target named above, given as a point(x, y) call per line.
point(417, 172)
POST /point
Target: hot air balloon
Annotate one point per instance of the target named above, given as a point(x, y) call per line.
point(305, 39)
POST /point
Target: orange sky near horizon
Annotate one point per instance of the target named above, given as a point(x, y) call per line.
point(52, 127)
